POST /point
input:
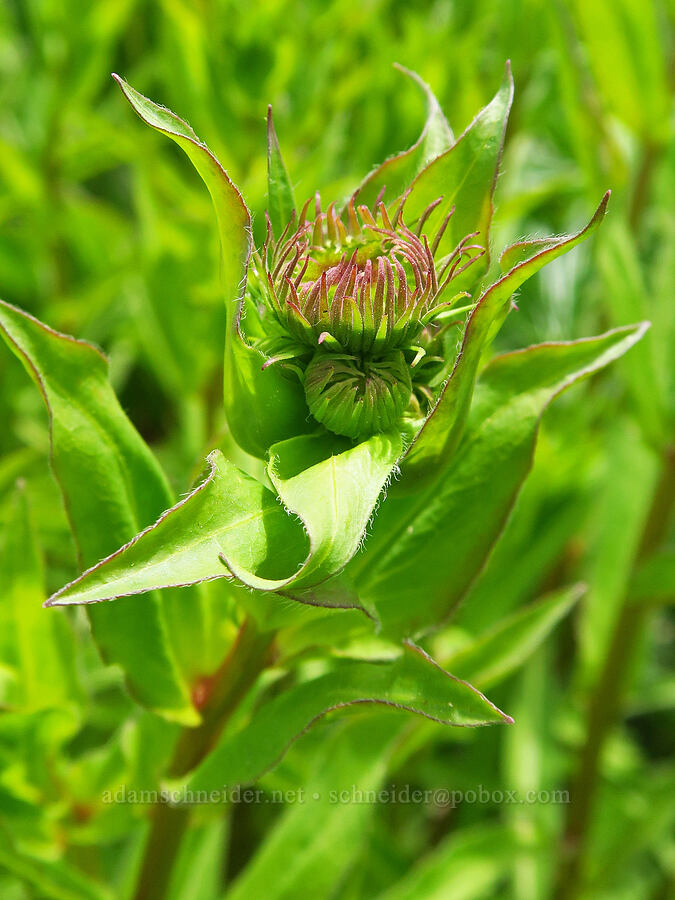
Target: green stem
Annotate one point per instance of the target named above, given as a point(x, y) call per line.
point(605, 701)
point(640, 196)
point(222, 693)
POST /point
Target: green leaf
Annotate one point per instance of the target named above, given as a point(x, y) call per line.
point(397, 172)
point(427, 548)
point(229, 512)
point(278, 395)
point(280, 202)
point(334, 498)
point(465, 177)
point(316, 839)
point(493, 656)
point(414, 682)
point(39, 645)
point(438, 438)
point(233, 524)
point(467, 865)
point(111, 486)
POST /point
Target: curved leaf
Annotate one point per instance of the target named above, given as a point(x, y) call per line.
point(278, 397)
point(229, 512)
point(436, 441)
point(334, 498)
point(414, 682)
point(233, 525)
point(93, 444)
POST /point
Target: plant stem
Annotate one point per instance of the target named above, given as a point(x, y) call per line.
point(641, 189)
point(605, 702)
point(220, 695)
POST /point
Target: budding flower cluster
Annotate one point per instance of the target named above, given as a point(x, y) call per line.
point(352, 299)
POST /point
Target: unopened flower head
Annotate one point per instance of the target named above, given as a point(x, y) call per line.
point(357, 301)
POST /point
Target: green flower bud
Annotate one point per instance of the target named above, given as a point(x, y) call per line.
point(358, 398)
point(354, 305)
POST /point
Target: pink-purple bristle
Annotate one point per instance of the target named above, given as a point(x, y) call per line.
point(399, 209)
point(294, 294)
point(336, 311)
point(470, 262)
point(390, 296)
point(351, 284)
point(458, 249)
point(441, 231)
point(378, 300)
point(346, 278)
point(303, 269)
point(402, 294)
point(430, 263)
point(288, 229)
point(311, 298)
point(425, 215)
point(292, 305)
point(290, 268)
point(323, 294)
point(283, 256)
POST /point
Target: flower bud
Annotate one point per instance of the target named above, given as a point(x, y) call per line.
point(353, 306)
point(358, 398)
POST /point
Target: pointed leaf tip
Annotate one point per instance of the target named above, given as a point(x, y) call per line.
point(280, 199)
point(396, 173)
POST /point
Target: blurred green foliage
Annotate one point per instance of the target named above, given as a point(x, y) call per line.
point(106, 233)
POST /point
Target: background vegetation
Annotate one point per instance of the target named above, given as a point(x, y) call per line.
point(106, 233)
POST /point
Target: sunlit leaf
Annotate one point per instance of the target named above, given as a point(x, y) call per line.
point(107, 475)
point(233, 524)
point(467, 865)
point(282, 410)
point(427, 548)
point(414, 683)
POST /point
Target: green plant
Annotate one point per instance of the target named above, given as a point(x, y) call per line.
point(451, 461)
